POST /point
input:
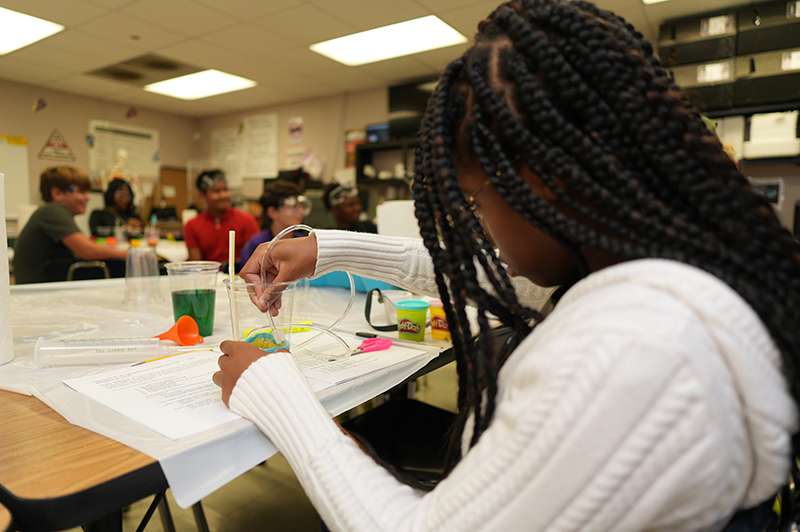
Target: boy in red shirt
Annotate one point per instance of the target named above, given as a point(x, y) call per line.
point(206, 235)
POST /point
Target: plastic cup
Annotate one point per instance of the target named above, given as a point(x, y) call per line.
point(411, 318)
point(141, 276)
point(439, 328)
point(261, 329)
point(194, 291)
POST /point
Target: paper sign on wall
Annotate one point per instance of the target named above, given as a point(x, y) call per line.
point(56, 148)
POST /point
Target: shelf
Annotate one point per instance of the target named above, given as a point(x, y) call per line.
point(365, 152)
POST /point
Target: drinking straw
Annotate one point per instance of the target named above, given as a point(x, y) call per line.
point(231, 268)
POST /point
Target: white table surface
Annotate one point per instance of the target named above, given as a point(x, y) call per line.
point(197, 465)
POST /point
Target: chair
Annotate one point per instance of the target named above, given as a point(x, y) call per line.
point(407, 434)
point(71, 270)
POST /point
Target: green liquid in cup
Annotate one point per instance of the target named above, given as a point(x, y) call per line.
point(198, 304)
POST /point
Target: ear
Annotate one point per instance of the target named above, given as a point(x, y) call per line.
point(56, 193)
point(272, 212)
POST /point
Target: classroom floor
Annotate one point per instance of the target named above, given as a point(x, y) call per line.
point(268, 497)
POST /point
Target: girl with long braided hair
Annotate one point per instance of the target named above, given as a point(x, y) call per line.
point(662, 390)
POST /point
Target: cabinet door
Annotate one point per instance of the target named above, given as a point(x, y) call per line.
point(174, 179)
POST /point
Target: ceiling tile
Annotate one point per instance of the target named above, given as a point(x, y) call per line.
point(305, 25)
point(29, 71)
point(347, 79)
point(57, 57)
point(88, 85)
point(201, 54)
point(82, 43)
point(438, 60)
point(300, 60)
point(195, 19)
point(465, 20)
point(398, 70)
point(68, 14)
point(249, 9)
point(120, 28)
point(248, 40)
point(440, 6)
point(368, 14)
point(113, 4)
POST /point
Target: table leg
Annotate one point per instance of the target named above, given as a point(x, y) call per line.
point(166, 515)
point(200, 517)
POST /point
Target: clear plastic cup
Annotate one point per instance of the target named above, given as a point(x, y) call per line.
point(141, 276)
point(194, 291)
point(261, 329)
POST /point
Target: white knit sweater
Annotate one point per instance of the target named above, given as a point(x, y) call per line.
point(650, 399)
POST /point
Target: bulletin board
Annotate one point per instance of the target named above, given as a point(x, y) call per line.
point(14, 164)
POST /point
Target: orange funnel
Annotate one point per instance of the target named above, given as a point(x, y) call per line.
point(184, 332)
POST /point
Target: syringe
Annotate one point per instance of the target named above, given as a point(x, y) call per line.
point(89, 351)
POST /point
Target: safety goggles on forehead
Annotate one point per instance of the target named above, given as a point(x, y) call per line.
point(209, 181)
point(298, 202)
point(339, 194)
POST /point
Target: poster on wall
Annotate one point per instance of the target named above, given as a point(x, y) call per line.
point(56, 148)
point(296, 129)
point(139, 147)
point(249, 150)
point(294, 157)
point(226, 153)
point(261, 146)
point(14, 164)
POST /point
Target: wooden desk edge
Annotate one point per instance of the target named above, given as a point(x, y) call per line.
point(43, 490)
point(6, 520)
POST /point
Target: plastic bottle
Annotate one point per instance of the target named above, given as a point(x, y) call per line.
point(119, 232)
point(152, 230)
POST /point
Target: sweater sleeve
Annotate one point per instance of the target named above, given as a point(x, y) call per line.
point(597, 427)
point(401, 261)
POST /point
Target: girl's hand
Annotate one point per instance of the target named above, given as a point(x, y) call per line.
point(290, 259)
point(237, 357)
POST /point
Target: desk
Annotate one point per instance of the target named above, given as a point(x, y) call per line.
point(56, 475)
point(51, 471)
point(168, 250)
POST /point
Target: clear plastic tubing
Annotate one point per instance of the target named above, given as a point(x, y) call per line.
point(94, 351)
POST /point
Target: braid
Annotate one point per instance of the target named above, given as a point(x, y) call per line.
point(575, 94)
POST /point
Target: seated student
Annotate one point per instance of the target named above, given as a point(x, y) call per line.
point(344, 204)
point(207, 234)
point(119, 210)
point(284, 205)
point(51, 232)
point(661, 392)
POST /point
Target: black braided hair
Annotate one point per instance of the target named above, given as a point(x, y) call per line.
point(576, 94)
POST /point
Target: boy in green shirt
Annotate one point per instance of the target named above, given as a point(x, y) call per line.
point(51, 232)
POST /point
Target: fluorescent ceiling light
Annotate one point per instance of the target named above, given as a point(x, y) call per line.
point(395, 40)
point(200, 85)
point(18, 30)
point(649, 2)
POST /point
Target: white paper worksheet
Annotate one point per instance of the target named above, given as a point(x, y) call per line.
point(176, 397)
point(173, 396)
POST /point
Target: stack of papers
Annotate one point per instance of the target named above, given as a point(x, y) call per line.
point(176, 398)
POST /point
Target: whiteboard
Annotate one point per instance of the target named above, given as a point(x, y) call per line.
point(14, 164)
